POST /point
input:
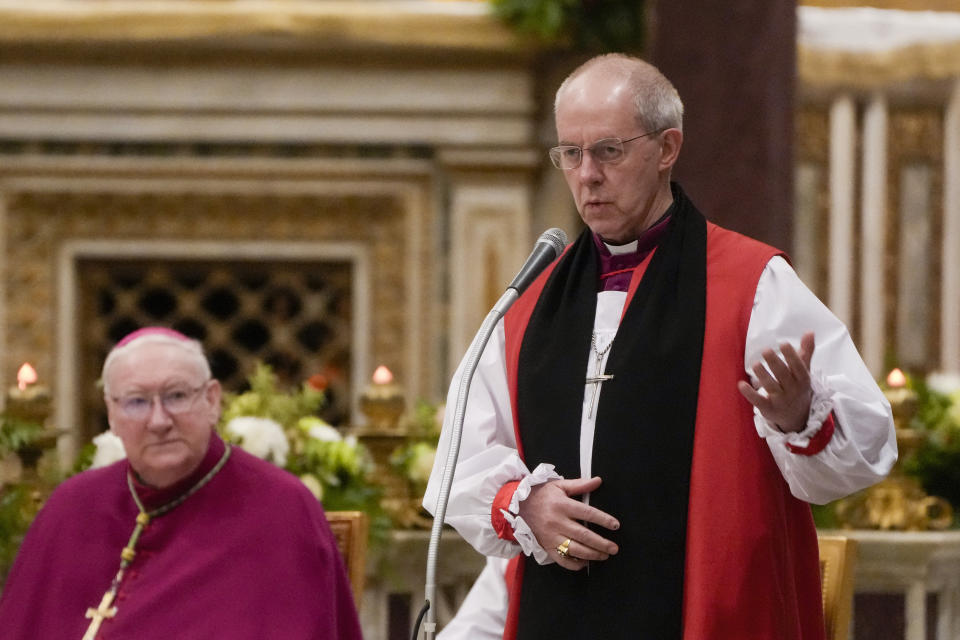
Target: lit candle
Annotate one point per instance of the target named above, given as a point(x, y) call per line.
point(28, 400)
point(896, 379)
point(382, 375)
point(382, 401)
point(26, 376)
point(902, 400)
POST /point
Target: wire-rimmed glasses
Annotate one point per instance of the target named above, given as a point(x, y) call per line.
point(607, 151)
point(175, 401)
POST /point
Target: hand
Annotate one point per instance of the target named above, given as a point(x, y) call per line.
point(787, 403)
point(554, 515)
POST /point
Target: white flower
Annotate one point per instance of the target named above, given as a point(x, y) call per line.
point(945, 383)
point(324, 433)
point(422, 463)
point(109, 450)
point(319, 430)
point(262, 437)
point(313, 484)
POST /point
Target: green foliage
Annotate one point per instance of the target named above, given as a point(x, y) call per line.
point(587, 25)
point(20, 502)
point(423, 423)
point(18, 507)
point(265, 400)
point(414, 459)
point(336, 462)
point(824, 516)
point(84, 459)
point(936, 463)
point(335, 468)
point(16, 433)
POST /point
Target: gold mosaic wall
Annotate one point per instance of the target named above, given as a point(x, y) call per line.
point(914, 139)
point(38, 222)
point(811, 145)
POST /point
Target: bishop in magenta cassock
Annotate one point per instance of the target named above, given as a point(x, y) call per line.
point(187, 537)
point(649, 421)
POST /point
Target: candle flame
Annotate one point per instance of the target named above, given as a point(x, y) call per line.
point(26, 376)
point(382, 375)
point(896, 379)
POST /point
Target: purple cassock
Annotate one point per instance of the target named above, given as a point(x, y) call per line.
point(249, 555)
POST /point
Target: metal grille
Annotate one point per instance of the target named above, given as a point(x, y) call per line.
point(295, 316)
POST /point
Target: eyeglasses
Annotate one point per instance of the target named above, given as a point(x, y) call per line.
point(175, 401)
point(607, 151)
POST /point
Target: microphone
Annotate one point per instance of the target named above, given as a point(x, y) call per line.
point(549, 245)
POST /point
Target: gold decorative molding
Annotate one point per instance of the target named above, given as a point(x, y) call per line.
point(258, 207)
point(866, 70)
point(325, 24)
point(903, 5)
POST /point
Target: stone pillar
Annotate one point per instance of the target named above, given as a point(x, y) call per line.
point(873, 208)
point(843, 140)
point(489, 195)
point(950, 296)
point(734, 64)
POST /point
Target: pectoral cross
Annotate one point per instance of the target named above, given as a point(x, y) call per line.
point(98, 615)
point(599, 377)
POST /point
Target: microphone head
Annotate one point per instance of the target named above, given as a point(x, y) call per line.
point(554, 237)
point(549, 245)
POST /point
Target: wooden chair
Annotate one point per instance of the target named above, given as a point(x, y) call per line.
point(350, 529)
point(838, 557)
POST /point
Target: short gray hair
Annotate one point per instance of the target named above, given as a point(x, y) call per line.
point(656, 101)
point(192, 349)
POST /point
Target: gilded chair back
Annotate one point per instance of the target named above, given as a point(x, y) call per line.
point(350, 529)
point(838, 557)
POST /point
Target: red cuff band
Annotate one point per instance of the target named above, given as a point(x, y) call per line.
point(819, 441)
point(502, 501)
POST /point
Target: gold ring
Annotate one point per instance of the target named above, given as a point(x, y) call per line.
point(564, 548)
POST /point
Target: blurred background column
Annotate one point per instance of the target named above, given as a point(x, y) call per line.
point(734, 64)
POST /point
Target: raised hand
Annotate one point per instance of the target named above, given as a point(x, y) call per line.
point(555, 516)
point(787, 385)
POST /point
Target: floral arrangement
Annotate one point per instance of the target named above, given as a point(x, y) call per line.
point(936, 463)
point(283, 428)
point(413, 461)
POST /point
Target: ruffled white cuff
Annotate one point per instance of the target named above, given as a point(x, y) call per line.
point(521, 530)
point(821, 404)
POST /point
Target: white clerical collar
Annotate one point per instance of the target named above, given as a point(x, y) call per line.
point(620, 249)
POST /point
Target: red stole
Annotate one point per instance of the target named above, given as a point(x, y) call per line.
point(751, 569)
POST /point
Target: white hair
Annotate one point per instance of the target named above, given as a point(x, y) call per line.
point(192, 349)
point(656, 103)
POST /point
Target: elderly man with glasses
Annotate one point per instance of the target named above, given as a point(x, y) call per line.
point(185, 538)
point(650, 420)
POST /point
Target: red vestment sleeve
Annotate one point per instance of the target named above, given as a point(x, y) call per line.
point(817, 442)
point(502, 501)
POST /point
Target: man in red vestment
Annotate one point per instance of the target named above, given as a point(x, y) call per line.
point(187, 537)
point(649, 421)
